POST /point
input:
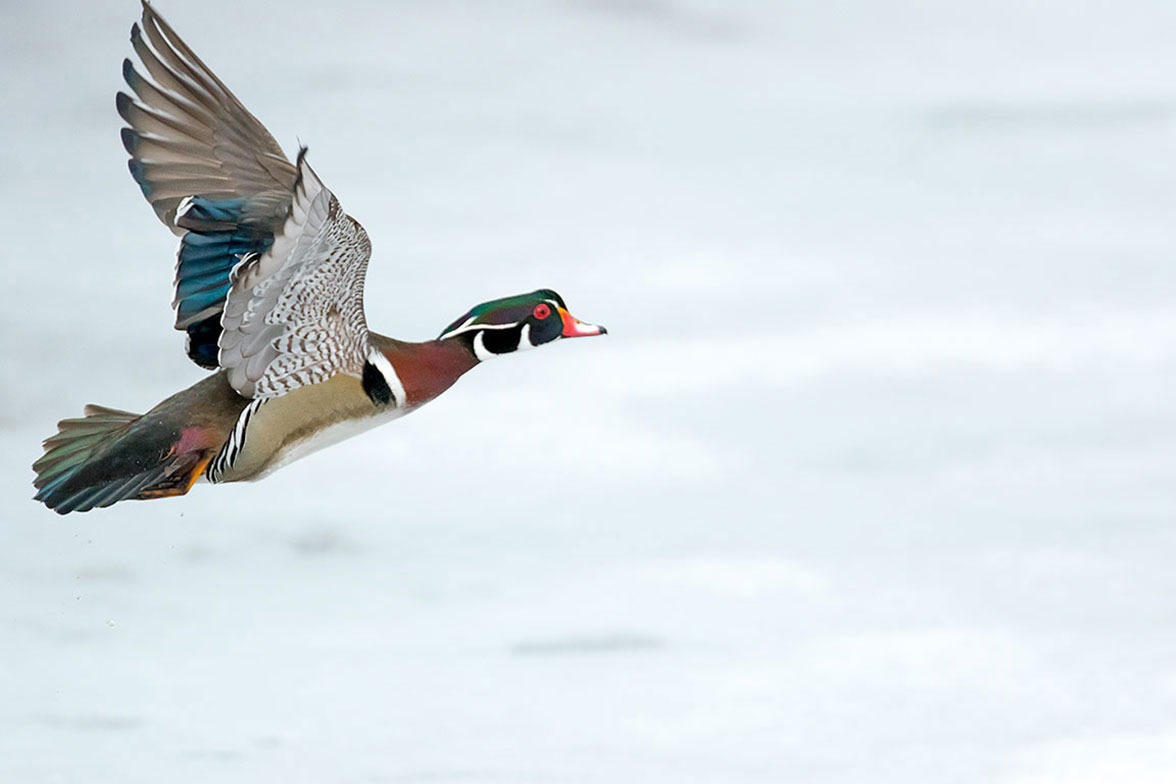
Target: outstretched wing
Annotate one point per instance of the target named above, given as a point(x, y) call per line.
point(294, 314)
point(211, 171)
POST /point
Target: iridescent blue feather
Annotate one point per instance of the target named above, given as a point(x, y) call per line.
point(214, 244)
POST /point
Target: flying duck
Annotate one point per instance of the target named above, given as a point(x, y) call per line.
point(269, 289)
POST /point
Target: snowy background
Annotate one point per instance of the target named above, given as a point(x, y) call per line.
point(872, 480)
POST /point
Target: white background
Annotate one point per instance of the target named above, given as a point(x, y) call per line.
point(871, 481)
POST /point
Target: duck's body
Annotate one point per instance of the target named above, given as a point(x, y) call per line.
point(314, 417)
point(269, 288)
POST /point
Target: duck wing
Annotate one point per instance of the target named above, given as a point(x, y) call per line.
point(294, 314)
point(211, 171)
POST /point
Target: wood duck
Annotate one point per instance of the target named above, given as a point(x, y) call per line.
point(269, 289)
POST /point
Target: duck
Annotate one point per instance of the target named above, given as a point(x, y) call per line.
point(269, 284)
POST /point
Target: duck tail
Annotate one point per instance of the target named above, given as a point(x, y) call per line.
point(110, 455)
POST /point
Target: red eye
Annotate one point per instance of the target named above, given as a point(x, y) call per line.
point(542, 311)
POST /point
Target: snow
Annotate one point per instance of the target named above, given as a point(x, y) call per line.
point(871, 480)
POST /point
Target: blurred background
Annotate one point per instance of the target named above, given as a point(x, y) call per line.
point(871, 481)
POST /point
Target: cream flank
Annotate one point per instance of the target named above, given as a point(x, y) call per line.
point(306, 420)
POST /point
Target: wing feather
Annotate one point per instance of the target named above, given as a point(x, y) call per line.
point(184, 116)
point(294, 314)
point(192, 142)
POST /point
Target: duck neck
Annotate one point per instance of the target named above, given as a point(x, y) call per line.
point(426, 369)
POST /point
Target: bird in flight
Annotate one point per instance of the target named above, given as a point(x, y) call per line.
point(269, 289)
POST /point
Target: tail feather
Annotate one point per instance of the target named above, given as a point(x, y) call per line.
point(105, 494)
point(71, 447)
point(103, 457)
point(79, 436)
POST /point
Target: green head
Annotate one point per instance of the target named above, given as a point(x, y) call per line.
point(511, 324)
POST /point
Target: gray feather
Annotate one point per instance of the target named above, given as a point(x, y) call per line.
point(188, 123)
point(294, 315)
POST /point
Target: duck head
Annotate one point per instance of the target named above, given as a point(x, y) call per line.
point(504, 326)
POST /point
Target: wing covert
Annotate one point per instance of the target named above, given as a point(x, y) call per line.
point(294, 314)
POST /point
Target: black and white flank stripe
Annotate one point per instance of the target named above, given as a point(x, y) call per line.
point(232, 447)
